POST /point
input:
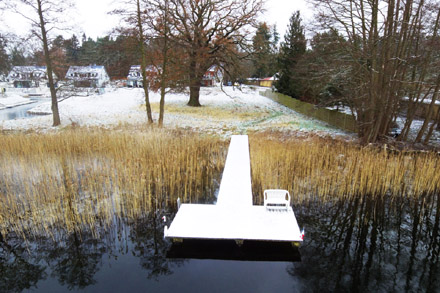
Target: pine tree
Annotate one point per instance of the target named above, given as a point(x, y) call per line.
point(72, 50)
point(262, 51)
point(4, 58)
point(293, 47)
point(17, 56)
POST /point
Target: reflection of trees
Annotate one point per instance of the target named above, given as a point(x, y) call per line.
point(74, 259)
point(370, 244)
point(149, 245)
point(17, 268)
point(74, 256)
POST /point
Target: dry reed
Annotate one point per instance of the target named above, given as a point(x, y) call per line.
point(81, 179)
point(76, 179)
point(329, 169)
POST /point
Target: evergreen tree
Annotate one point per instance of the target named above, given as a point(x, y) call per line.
point(72, 50)
point(88, 52)
point(4, 58)
point(17, 56)
point(264, 42)
point(292, 49)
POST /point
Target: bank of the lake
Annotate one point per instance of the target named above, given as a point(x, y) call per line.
point(21, 111)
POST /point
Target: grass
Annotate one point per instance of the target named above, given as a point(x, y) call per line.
point(212, 112)
point(77, 179)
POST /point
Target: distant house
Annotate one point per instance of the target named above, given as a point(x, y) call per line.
point(267, 82)
point(88, 76)
point(134, 77)
point(264, 82)
point(28, 76)
point(212, 76)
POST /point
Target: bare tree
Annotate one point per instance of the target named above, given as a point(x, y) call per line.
point(386, 42)
point(133, 14)
point(44, 17)
point(164, 55)
point(208, 30)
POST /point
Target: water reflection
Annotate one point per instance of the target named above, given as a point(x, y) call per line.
point(74, 260)
point(361, 244)
point(367, 244)
point(21, 111)
point(18, 269)
point(151, 247)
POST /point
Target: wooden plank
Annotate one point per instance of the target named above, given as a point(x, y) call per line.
point(236, 187)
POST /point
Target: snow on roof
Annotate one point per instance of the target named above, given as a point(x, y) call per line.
point(213, 68)
point(147, 68)
point(86, 69)
point(28, 69)
point(27, 73)
point(87, 72)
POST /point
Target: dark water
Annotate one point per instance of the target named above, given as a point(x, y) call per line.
point(359, 245)
point(21, 111)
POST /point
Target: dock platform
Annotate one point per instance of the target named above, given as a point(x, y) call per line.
point(234, 217)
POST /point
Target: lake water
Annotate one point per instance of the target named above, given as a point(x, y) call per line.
point(362, 244)
point(21, 111)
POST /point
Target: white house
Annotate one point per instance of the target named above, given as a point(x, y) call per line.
point(28, 76)
point(134, 77)
point(88, 76)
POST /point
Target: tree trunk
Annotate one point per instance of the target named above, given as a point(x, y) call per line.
point(161, 106)
point(194, 82)
point(53, 93)
point(430, 111)
point(431, 129)
point(143, 63)
point(194, 93)
point(164, 77)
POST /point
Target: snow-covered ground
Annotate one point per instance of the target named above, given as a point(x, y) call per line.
point(9, 100)
point(232, 111)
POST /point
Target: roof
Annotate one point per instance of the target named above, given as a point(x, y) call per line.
point(137, 68)
point(86, 69)
point(86, 72)
point(28, 69)
point(27, 73)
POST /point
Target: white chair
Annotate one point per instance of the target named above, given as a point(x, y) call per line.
point(276, 199)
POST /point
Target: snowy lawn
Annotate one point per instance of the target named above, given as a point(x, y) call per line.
point(224, 113)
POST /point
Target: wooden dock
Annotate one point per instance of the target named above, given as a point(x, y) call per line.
point(234, 217)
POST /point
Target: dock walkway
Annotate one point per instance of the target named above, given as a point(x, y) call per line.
point(234, 217)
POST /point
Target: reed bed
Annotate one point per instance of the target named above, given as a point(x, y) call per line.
point(88, 179)
point(329, 169)
point(82, 179)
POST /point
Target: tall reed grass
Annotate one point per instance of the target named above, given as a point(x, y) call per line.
point(80, 179)
point(76, 179)
point(327, 169)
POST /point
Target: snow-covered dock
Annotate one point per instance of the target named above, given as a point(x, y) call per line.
point(234, 217)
